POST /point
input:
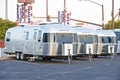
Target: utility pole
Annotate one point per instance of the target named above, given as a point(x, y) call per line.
point(6, 9)
point(46, 10)
point(102, 16)
point(112, 14)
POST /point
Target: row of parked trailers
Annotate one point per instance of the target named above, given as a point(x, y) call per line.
point(58, 41)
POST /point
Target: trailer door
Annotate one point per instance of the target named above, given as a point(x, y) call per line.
point(37, 41)
point(8, 43)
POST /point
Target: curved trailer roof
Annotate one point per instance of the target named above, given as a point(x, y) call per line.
point(82, 30)
point(48, 28)
point(105, 33)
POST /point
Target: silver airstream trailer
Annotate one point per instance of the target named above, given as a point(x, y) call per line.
point(106, 41)
point(45, 40)
point(117, 32)
point(87, 41)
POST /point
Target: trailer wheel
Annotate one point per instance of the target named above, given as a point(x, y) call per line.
point(22, 56)
point(18, 56)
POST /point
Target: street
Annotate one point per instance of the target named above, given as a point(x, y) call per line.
point(102, 68)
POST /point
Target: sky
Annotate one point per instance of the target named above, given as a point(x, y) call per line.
point(81, 10)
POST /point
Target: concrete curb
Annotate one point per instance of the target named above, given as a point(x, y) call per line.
point(3, 58)
point(7, 58)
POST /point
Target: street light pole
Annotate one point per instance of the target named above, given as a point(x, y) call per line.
point(47, 10)
point(112, 14)
point(102, 16)
point(102, 10)
point(6, 9)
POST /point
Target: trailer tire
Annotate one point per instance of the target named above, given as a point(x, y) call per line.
point(18, 56)
point(22, 56)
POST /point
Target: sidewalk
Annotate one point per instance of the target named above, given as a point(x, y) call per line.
point(3, 56)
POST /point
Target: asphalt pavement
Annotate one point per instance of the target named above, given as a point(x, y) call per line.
point(102, 68)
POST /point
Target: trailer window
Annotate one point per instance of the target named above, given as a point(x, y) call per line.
point(39, 35)
point(112, 39)
point(118, 35)
point(8, 36)
point(107, 39)
point(64, 37)
point(95, 39)
point(35, 34)
point(46, 37)
point(75, 38)
point(27, 35)
point(81, 38)
point(86, 38)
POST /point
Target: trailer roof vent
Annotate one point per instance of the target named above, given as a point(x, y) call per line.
point(47, 23)
point(23, 24)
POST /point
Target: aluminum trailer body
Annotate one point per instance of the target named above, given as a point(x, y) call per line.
point(49, 40)
point(87, 41)
point(106, 41)
point(117, 32)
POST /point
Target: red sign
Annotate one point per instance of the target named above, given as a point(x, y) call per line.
point(26, 1)
point(2, 44)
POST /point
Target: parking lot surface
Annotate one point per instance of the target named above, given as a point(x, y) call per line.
point(102, 68)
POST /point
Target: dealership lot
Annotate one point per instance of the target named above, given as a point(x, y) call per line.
point(102, 68)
